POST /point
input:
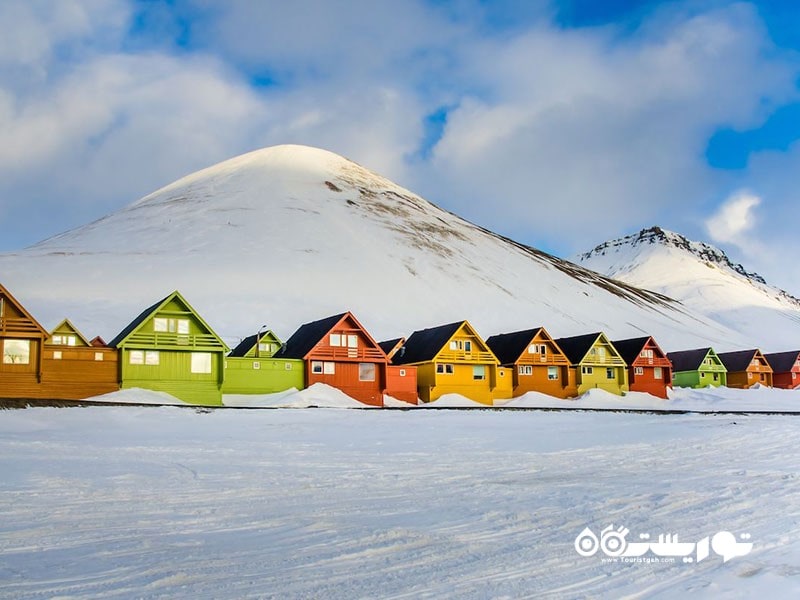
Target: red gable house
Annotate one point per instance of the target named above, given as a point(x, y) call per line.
point(649, 369)
point(785, 369)
point(21, 340)
point(339, 352)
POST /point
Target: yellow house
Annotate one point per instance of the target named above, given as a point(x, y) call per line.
point(454, 359)
point(597, 363)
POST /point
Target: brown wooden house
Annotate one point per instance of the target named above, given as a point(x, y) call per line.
point(76, 368)
point(649, 369)
point(537, 363)
point(339, 352)
point(785, 369)
point(746, 368)
point(21, 340)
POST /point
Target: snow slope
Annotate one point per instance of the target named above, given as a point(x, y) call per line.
point(705, 280)
point(127, 502)
point(289, 234)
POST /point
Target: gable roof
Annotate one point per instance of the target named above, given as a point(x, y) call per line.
point(150, 310)
point(630, 349)
point(425, 344)
point(247, 343)
point(309, 335)
point(782, 362)
point(67, 325)
point(4, 292)
point(390, 347)
point(688, 360)
point(737, 361)
point(98, 342)
point(508, 347)
point(576, 347)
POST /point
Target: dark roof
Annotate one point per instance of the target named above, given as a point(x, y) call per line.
point(508, 347)
point(389, 345)
point(737, 361)
point(136, 322)
point(309, 335)
point(629, 349)
point(244, 346)
point(576, 347)
point(688, 360)
point(782, 362)
point(424, 345)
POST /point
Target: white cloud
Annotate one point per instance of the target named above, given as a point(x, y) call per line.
point(734, 218)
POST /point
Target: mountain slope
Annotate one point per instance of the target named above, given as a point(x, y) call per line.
point(289, 234)
point(704, 279)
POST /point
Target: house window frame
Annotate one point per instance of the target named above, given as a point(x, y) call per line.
point(552, 374)
point(363, 375)
point(201, 363)
point(479, 375)
point(525, 370)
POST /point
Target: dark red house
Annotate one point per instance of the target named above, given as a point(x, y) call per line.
point(649, 369)
point(785, 369)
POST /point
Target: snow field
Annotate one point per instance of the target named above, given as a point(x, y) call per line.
point(161, 502)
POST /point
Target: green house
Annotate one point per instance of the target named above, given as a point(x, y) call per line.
point(170, 348)
point(251, 368)
point(697, 368)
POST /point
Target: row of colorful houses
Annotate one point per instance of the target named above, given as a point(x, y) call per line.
point(170, 348)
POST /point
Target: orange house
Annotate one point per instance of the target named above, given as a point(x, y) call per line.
point(21, 340)
point(75, 368)
point(339, 352)
point(536, 361)
point(401, 380)
point(785, 369)
point(649, 369)
point(746, 368)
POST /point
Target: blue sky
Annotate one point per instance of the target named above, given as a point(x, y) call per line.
point(558, 123)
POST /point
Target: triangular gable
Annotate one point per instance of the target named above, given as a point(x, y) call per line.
point(465, 329)
point(424, 344)
point(138, 323)
point(12, 304)
point(577, 347)
point(740, 360)
point(510, 348)
point(783, 362)
point(309, 336)
point(630, 350)
point(67, 328)
point(98, 342)
point(689, 360)
point(247, 347)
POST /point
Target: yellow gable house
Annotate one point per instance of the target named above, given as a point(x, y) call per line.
point(454, 359)
point(597, 363)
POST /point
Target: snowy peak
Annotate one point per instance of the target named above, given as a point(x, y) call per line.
point(656, 236)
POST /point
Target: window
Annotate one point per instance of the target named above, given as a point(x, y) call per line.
point(445, 369)
point(525, 370)
point(98, 356)
point(151, 357)
point(601, 353)
point(366, 371)
point(336, 339)
point(256, 365)
point(657, 373)
point(402, 372)
point(794, 375)
point(316, 366)
point(267, 347)
point(328, 368)
point(160, 324)
point(543, 349)
point(552, 373)
point(64, 340)
point(352, 341)
point(716, 376)
point(638, 371)
point(749, 375)
point(609, 373)
point(453, 345)
point(343, 340)
point(501, 372)
point(532, 349)
point(16, 352)
point(468, 346)
point(57, 354)
point(287, 366)
point(165, 325)
point(646, 353)
point(587, 370)
point(479, 372)
point(136, 357)
point(201, 362)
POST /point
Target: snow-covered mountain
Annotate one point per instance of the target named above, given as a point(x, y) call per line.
point(289, 234)
point(704, 279)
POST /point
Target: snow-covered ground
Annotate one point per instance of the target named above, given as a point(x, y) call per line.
point(167, 502)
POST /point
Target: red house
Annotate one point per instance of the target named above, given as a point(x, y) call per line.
point(785, 369)
point(649, 369)
point(339, 352)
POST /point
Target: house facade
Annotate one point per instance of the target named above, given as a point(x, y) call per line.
point(170, 348)
point(649, 369)
point(535, 362)
point(338, 351)
point(252, 368)
point(697, 368)
point(597, 363)
point(746, 368)
point(400, 379)
point(21, 342)
point(74, 368)
point(454, 359)
point(785, 369)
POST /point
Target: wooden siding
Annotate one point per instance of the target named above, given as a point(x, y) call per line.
point(401, 383)
point(564, 386)
point(345, 377)
point(271, 375)
point(80, 372)
point(647, 381)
